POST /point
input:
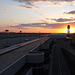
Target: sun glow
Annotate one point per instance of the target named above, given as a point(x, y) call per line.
point(71, 30)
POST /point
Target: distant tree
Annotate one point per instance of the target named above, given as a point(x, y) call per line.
point(6, 31)
point(20, 31)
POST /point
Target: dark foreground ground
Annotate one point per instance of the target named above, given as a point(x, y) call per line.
point(73, 35)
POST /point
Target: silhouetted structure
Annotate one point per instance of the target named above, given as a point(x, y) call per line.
point(68, 27)
point(68, 30)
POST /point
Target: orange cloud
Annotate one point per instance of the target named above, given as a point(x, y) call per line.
point(5, 9)
point(12, 20)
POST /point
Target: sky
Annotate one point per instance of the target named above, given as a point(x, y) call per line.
point(37, 16)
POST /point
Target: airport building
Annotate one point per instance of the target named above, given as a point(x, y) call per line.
point(44, 56)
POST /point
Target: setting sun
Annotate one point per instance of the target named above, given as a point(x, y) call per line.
point(71, 30)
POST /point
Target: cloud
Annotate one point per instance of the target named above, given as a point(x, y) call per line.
point(44, 25)
point(4, 9)
point(63, 20)
point(28, 2)
point(31, 2)
point(71, 12)
point(29, 7)
point(49, 4)
point(47, 19)
point(41, 0)
point(12, 20)
point(44, 21)
point(31, 25)
point(57, 4)
point(25, 6)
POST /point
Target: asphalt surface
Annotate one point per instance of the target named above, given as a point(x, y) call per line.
point(9, 58)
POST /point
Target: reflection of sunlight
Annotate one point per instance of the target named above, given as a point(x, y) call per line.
point(71, 30)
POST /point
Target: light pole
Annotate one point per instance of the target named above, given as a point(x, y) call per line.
point(6, 44)
point(20, 36)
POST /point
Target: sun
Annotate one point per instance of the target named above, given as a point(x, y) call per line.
point(71, 30)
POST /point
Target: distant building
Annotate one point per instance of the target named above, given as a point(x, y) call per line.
point(57, 37)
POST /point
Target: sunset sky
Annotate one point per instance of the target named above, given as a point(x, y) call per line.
point(44, 16)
